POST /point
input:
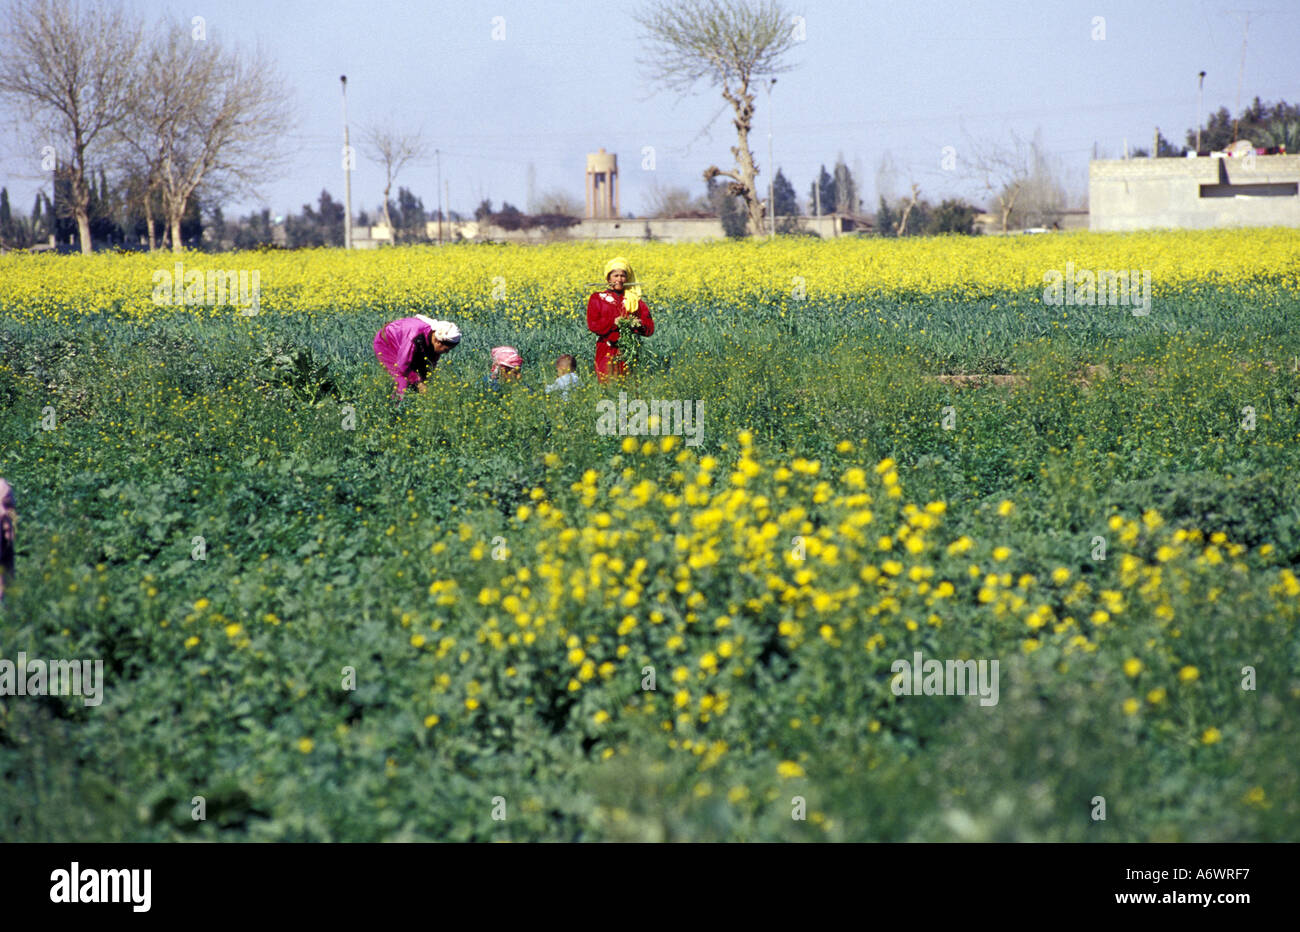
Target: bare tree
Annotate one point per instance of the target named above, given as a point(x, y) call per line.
point(1001, 170)
point(1020, 179)
point(1043, 196)
point(142, 140)
point(558, 202)
point(668, 202)
point(387, 146)
point(731, 43)
point(908, 207)
point(209, 116)
point(71, 72)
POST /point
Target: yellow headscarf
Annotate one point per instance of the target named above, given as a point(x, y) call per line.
point(631, 296)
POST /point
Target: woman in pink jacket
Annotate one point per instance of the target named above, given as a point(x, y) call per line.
point(410, 347)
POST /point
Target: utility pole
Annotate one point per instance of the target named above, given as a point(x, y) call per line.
point(54, 203)
point(771, 165)
point(447, 190)
point(1155, 143)
point(1200, 87)
point(347, 170)
point(438, 155)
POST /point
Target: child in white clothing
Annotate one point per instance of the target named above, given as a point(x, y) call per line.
point(565, 368)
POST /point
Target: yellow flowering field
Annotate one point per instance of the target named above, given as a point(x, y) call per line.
point(529, 285)
point(850, 601)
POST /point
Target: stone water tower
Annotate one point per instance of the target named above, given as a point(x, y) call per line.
point(602, 184)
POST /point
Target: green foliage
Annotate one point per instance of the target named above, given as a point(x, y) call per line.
point(293, 371)
point(318, 543)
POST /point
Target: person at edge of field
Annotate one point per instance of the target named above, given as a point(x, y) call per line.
point(506, 366)
point(567, 376)
point(617, 310)
point(410, 347)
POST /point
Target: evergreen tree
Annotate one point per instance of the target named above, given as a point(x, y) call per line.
point(7, 237)
point(412, 216)
point(827, 185)
point(952, 216)
point(846, 190)
point(38, 222)
point(729, 208)
point(886, 220)
point(783, 194)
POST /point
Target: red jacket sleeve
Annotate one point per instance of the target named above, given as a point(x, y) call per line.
point(647, 322)
point(601, 314)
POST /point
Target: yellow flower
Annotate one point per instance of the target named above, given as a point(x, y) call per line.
point(471, 704)
point(1157, 695)
point(1001, 553)
point(1005, 508)
point(233, 629)
point(789, 769)
point(601, 717)
point(1060, 575)
point(431, 720)
point(1211, 736)
point(1188, 674)
point(417, 640)
point(191, 642)
point(1132, 667)
point(201, 604)
point(1131, 706)
point(305, 745)
point(629, 444)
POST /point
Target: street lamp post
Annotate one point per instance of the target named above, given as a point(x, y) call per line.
point(347, 170)
point(1200, 86)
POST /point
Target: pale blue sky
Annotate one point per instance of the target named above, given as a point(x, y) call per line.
point(903, 78)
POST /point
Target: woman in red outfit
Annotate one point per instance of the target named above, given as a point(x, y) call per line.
point(616, 310)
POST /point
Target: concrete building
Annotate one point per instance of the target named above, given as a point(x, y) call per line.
point(1194, 193)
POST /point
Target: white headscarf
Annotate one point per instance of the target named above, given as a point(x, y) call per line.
point(444, 331)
